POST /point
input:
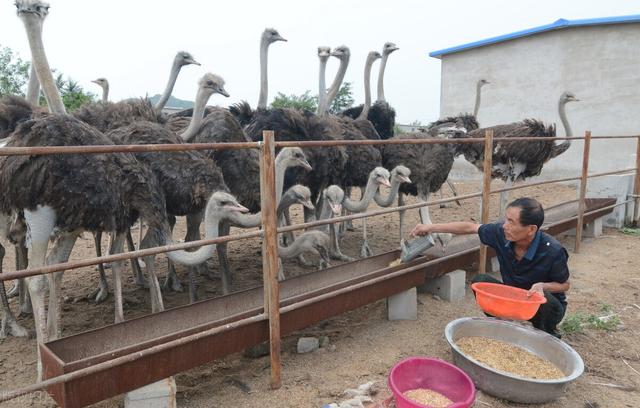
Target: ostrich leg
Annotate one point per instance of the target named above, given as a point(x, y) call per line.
point(172, 281)
point(336, 253)
point(22, 256)
point(515, 171)
point(193, 234)
point(365, 251)
point(424, 211)
point(40, 223)
point(154, 287)
point(58, 254)
point(116, 246)
point(401, 214)
point(102, 291)
point(135, 264)
point(8, 319)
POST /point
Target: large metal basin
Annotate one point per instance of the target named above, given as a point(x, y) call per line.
point(508, 386)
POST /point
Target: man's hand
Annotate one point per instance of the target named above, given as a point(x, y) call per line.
point(420, 230)
point(537, 288)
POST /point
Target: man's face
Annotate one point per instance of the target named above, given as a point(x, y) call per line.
point(513, 230)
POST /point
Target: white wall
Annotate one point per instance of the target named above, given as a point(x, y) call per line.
point(599, 64)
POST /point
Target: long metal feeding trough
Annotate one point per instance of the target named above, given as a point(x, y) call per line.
point(305, 300)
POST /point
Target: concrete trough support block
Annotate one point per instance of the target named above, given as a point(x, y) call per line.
point(403, 306)
point(617, 186)
point(449, 287)
point(591, 230)
point(161, 394)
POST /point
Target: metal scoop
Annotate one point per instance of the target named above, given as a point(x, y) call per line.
point(411, 249)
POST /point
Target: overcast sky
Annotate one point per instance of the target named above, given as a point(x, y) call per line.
point(132, 43)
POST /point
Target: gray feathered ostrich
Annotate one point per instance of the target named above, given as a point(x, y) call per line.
point(106, 116)
point(513, 161)
point(60, 197)
point(381, 114)
point(104, 84)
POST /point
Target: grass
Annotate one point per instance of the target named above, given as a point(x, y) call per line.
point(579, 321)
point(631, 231)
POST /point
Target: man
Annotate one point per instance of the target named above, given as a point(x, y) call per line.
point(529, 259)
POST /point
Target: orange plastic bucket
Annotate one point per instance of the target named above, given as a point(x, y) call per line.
point(506, 301)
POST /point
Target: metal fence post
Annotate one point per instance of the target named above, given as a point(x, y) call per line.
point(270, 252)
point(636, 187)
point(583, 189)
point(486, 193)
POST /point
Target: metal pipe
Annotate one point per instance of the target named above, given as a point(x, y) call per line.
point(486, 193)
point(44, 150)
point(608, 173)
point(583, 189)
point(270, 257)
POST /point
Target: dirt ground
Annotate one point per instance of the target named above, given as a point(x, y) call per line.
point(364, 345)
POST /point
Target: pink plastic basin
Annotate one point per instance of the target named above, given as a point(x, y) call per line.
point(434, 374)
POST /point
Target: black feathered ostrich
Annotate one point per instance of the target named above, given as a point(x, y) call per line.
point(513, 161)
point(72, 193)
point(381, 114)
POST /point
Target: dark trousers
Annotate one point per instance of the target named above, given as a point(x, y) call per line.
point(549, 314)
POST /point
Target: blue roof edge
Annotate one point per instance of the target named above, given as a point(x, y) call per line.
point(558, 24)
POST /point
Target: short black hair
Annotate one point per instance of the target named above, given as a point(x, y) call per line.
point(531, 212)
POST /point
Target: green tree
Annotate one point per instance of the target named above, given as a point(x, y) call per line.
point(73, 96)
point(14, 72)
point(344, 99)
point(301, 102)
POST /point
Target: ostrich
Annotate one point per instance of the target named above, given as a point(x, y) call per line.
point(513, 161)
point(108, 116)
point(343, 54)
point(269, 36)
point(8, 326)
point(59, 197)
point(323, 53)
point(381, 114)
point(104, 84)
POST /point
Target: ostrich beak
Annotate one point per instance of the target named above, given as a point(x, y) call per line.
point(239, 208)
point(305, 165)
point(308, 204)
point(222, 91)
point(384, 181)
point(95, 82)
point(324, 254)
point(404, 179)
point(280, 38)
point(192, 61)
point(336, 208)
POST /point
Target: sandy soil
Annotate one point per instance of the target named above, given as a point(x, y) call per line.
point(363, 344)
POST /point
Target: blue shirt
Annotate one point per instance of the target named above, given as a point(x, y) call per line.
point(544, 261)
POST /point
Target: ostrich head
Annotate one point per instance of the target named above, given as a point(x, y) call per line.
point(324, 52)
point(482, 82)
point(373, 55)
point(222, 204)
point(342, 52)
point(32, 9)
point(101, 82)
point(316, 240)
point(184, 58)
point(271, 35)
point(334, 196)
point(401, 174)
point(389, 47)
point(568, 97)
point(301, 194)
point(380, 175)
point(292, 157)
point(212, 83)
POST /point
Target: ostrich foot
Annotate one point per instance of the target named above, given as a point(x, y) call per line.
point(349, 225)
point(446, 205)
point(303, 261)
point(13, 292)
point(365, 251)
point(10, 327)
point(140, 281)
point(322, 264)
point(100, 294)
point(25, 309)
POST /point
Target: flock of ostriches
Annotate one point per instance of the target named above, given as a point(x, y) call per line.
point(57, 197)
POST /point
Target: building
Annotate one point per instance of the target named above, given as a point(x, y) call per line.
point(596, 59)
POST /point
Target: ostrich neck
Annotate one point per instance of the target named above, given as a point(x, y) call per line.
point(39, 60)
point(383, 66)
point(322, 86)
point(476, 108)
point(563, 117)
point(105, 93)
point(296, 248)
point(367, 89)
point(173, 76)
point(325, 214)
point(33, 88)
point(359, 206)
point(198, 114)
point(337, 81)
point(264, 85)
point(393, 192)
point(211, 223)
